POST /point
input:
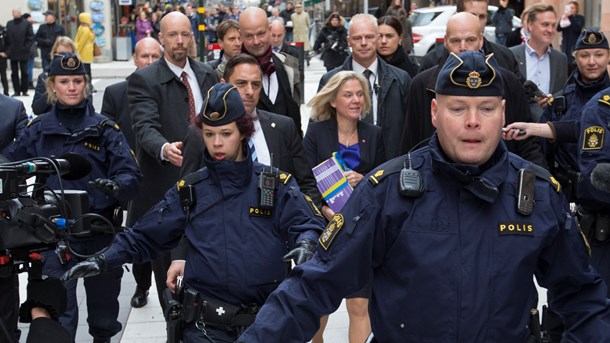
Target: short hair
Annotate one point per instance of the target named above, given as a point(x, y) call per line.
point(320, 103)
point(461, 4)
point(225, 26)
point(530, 13)
point(237, 60)
point(364, 17)
point(392, 22)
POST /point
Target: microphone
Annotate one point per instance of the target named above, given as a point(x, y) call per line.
point(70, 166)
point(532, 89)
point(600, 177)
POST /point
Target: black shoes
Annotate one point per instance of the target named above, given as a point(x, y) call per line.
point(140, 298)
point(16, 94)
point(31, 85)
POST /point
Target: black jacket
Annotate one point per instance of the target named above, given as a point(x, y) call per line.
point(46, 36)
point(400, 60)
point(19, 39)
point(334, 42)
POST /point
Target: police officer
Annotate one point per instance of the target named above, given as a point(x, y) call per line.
point(591, 76)
point(73, 126)
point(240, 218)
point(452, 253)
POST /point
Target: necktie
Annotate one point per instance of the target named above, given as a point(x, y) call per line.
point(252, 150)
point(185, 80)
point(368, 118)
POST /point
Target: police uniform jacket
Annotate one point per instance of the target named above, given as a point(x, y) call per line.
point(577, 94)
point(452, 265)
point(235, 247)
point(97, 139)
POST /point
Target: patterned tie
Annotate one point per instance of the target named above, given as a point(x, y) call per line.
point(252, 150)
point(368, 118)
point(185, 80)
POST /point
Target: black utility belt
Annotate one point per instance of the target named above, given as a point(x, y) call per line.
point(595, 225)
point(217, 313)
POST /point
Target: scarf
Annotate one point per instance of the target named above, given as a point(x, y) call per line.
point(265, 61)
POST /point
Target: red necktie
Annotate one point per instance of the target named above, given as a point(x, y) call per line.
point(185, 80)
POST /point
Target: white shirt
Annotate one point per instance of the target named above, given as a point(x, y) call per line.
point(373, 83)
point(538, 70)
point(260, 144)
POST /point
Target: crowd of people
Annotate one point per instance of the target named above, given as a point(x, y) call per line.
point(473, 173)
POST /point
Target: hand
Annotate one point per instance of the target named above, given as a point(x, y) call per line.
point(175, 269)
point(107, 186)
point(45, 298)
point(173, 153)
point(327, 212)
point(511, 131)
point(543, 101)
point(353, 178)
point(302, 253)
point(90, 267)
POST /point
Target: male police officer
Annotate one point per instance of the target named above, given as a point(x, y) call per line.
point(452, 253)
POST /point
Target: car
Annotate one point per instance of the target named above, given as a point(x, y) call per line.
point(429, 25)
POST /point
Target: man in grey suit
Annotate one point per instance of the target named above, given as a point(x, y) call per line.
point(389, 84)
point(538, 61)
point(163, 97)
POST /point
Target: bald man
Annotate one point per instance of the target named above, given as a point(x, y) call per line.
point(161, 105)
point(281, 78)
point(464, 33)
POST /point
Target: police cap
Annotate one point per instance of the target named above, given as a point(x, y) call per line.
point(470, 73)
point(222, 105)
point(66, 63)
point(591, 39)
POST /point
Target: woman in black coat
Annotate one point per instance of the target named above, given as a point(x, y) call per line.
point(389, 44)
point(332, 42)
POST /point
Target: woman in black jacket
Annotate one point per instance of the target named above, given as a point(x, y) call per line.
point(332, 42)
point(389, 44)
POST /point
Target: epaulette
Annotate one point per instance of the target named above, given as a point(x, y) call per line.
point(284, 177)
point(544, 174)
point(190, 179)
point(109, 123)
point(605, 98)
point(391, 167)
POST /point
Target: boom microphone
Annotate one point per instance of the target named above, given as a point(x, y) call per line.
point(600, 177)
point(70, 166)
point(532, 89)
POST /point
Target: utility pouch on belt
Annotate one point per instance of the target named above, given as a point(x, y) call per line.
point(193, 305)
point(602, 227)
point(595, 226)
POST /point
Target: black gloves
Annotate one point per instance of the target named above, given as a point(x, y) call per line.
point(106, 185)
point(90, 267)
point(302, 253)
point(49, 294)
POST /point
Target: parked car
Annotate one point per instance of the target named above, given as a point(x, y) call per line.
point(429, 25)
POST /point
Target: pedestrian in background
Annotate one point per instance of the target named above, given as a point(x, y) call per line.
point(502, 20)
point(46, 35)
point(84, 40)
point(300, 26)
point(19, 40)
point(143, 26)
point(570, 25)
point(3, 60)
point(332, 42)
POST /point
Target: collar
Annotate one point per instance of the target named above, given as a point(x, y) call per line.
point(358, 68)
point(230, 174)
point(178, 71)
point(593, 86)
point(530, 51)
point(399, 56)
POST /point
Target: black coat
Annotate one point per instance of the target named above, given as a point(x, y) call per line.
point(336, 38)
point(400, 60)
point(12, 120)
point(115, 106)
point(19, 39)
point(46, 36)
point(158, 104)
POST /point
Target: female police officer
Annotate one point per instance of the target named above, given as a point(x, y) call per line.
point(239, 217)
point(73, 126)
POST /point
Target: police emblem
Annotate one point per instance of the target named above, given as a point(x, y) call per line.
point(214, 116)
point(592, 39)
point(379, 173)
point(473, 80)
point(329, 234)
point(593, 138)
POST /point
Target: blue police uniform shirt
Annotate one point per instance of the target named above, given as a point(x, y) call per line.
point(577, 94)
point(235, 247)
point(104, 147)
point(453, 265)
point(594, 148)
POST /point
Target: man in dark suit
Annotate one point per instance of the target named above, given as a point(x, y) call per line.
point(12, 123)
point(161, 104)
point(464, 33)
point(538, 61)
point(46, 35)
point(19, 40)
point(280, 93)
point(389, 84)
point(229, 40)
point(116, 107)
point(278, 33)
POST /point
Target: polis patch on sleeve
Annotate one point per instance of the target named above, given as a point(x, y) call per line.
point(593, 138)
point(524, 229)
point(329, 234)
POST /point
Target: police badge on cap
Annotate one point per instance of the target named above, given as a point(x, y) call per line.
point(469, 74)
point(66, 63)
point(591, 39)
point(222, 105)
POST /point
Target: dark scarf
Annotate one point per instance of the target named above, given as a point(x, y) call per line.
point(265, 61)
point(71, 116)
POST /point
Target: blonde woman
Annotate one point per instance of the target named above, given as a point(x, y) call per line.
point(84, 41)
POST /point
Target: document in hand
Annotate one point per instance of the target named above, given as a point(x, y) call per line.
point(332, 182)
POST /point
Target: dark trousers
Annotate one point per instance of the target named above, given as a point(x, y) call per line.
point(142, 274)
point(20, 84)
point(46, 61)
point(160, 267)
point(212, 335)
point(3, 78)
point(9, 307)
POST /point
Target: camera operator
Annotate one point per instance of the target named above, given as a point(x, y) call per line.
point(12, 124)
point(73, 126)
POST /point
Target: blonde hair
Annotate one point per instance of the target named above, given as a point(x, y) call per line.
point(320, 104)
point(52, 97)
point(66, 42)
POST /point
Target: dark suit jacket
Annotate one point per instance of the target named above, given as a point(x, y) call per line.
point(322, 139)
point(559, 67)
point(12, 120)
point(283, 141)
point(158, 104)
point(391, 101)
point(116, 107)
